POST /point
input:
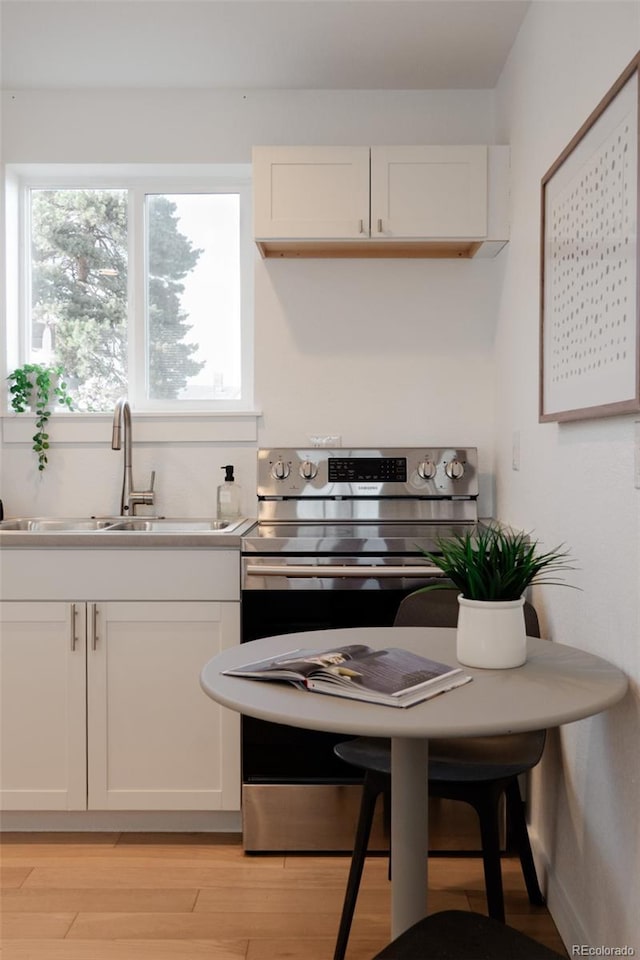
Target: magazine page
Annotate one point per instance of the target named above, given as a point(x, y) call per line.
point(301, 663)
point(418, 694)
point(393, 671)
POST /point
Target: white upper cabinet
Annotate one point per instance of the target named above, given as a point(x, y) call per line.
point(429, 192)
point(401, 201)
point(302, 192)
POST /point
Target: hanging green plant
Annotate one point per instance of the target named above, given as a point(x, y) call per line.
point(39, 389)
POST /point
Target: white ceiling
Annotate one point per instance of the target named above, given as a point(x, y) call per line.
point(295, 44)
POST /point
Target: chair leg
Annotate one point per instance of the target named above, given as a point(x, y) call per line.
point(372, 786)
point(515, 809)
point(486, 804)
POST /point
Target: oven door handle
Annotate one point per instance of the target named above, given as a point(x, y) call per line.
point(340, 570)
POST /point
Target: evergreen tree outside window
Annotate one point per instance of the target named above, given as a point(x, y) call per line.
point(79, 270)
point(139, 292)
point(193, 287)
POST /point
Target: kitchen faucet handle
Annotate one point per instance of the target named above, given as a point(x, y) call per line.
point(147, 496)
point(144, 497)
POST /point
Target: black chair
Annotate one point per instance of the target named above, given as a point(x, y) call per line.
point(458, 935)
point(475, 770)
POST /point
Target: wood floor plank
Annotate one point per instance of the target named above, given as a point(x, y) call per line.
point(515, 902)
point(141, 873)
point(19, 926)
point(213, 847)
point(125, 950)
point(190, 840)
point(18, 846)
point(199, 926)
point(296, 900)
point(92, 900)
point(317, 949)
point(13, 876)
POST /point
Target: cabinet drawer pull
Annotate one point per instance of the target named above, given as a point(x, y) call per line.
point(73, 615)
point(94, 626)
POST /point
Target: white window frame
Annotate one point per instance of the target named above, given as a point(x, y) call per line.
point(140, 180)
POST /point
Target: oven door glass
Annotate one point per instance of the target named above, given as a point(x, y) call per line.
point(273, 753)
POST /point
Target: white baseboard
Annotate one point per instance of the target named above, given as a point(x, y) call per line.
point(559, 905)
point(122, 821)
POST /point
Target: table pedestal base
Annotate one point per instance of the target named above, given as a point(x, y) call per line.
point(409, 832)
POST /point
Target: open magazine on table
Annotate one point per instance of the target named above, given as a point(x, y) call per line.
point(393, 677)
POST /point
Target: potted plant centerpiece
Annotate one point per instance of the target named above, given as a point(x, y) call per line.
point(492, 568)
point(39, 388)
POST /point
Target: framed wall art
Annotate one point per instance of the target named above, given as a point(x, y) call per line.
point(590, 301)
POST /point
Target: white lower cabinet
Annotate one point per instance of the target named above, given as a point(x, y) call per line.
point(43, 717)
point(102, 707)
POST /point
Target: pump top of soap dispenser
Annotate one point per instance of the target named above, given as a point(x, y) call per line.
point(228, 477)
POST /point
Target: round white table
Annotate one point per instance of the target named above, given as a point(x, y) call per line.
point(557, 684)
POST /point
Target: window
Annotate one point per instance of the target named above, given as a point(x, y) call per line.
point(140, 287)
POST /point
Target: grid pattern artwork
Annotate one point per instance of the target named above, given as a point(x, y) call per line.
point(589, 297)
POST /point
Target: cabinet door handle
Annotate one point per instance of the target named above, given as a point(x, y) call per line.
point(94, 626)
point(73, 615)
point(361, 227)
point(379, 225)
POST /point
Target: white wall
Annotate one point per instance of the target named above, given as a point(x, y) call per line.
point(575, 485)
point(379, 352)
point(208, 126)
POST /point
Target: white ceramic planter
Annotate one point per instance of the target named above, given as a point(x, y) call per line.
point(491, 633)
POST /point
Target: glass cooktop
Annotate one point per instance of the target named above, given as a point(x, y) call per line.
point(344, 538)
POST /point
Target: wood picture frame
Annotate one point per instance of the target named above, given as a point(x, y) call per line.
point(589, 288)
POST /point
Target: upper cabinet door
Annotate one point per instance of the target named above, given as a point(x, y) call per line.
point(437, 192)
point(320, 192)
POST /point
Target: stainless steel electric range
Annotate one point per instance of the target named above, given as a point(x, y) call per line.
point(338, 543)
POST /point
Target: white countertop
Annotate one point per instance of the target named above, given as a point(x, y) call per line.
point(109, 539)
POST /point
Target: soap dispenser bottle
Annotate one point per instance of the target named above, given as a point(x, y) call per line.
point(228, 496)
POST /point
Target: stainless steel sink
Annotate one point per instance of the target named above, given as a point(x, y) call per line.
point(170, 525)
point(54, 524)
point(120, 525)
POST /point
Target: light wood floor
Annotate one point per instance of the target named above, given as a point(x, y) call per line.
point(186, 897)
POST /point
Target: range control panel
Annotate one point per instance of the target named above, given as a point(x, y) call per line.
point(362, 469)
point(373, 473)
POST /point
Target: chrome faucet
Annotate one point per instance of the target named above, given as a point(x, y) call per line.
point(129, 498)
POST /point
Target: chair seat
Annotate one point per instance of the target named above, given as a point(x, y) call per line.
point(455, 760)
point(461, 935)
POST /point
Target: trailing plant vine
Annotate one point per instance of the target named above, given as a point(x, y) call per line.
point(40, 389)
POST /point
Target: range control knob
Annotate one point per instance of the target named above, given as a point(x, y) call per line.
point(427, 469)
point(308, 470)
point(454, 470)
point(280, 470)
